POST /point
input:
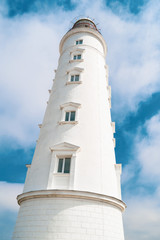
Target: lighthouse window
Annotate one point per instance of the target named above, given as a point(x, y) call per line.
point(60, 165)
point(70, 116)
point(67, 116)
point(74, 78)
point(64, 165)
point(79, 42)
point(76, 57)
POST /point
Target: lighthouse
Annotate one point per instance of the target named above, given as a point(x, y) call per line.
point(72, 189)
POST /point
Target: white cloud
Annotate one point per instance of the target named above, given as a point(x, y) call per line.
point(134, 56)
point(145, 153)
point(141, 179)
point(142, 217)
point(148, 150)
point(9, 192)
point(29, 54)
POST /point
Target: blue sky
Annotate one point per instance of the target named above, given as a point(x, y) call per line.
point(30, 35)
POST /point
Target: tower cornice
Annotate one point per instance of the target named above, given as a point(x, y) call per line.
point(55, 193)
point(83, 30)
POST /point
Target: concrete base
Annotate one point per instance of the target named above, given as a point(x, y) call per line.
point(67, 215)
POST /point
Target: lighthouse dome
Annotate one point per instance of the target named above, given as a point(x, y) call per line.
point(85, 22)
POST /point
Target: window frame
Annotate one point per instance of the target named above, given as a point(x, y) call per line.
point(76, 71)
point(75, 77)
point(69, 107)
point(62, 150)
point(77, 56)
point(63, 165)
point(79, 42)
point(70, 115)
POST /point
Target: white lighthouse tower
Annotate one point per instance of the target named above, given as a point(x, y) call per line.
point(72, 189)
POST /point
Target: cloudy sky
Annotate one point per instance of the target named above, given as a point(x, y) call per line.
point(30, 32)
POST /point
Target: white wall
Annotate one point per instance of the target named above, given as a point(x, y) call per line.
point(68, 219)
point(94, 168)
point(89, 143)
